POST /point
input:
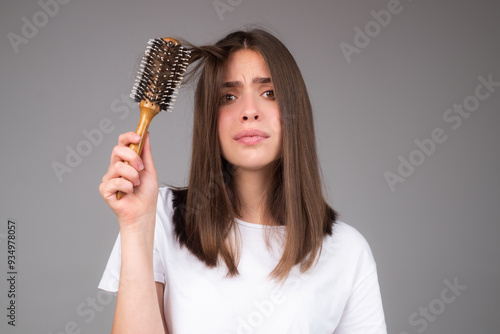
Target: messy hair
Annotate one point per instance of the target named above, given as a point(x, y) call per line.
point(205, 211)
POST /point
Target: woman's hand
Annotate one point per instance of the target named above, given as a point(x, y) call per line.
point(137, 180)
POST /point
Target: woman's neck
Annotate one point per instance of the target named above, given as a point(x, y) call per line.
point(252, 187)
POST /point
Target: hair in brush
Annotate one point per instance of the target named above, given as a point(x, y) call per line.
point(157, 83)
point(161, 72)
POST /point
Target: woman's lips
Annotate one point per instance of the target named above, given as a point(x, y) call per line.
point(250, 137)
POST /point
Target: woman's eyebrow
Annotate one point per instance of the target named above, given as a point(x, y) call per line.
point(259, 80)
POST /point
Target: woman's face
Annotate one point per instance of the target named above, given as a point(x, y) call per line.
point(249, 118)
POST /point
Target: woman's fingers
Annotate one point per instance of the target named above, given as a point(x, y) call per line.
point(109, 188)
point(122, 152)
point(128, 137)
point(132, 175)
point(121, 169)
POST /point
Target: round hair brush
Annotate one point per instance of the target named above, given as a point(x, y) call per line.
point(157, 83)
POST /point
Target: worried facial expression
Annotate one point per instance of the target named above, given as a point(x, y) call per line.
point(249, 122)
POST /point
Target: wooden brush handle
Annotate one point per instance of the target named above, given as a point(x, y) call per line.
point(170, 39)
point(148, 111)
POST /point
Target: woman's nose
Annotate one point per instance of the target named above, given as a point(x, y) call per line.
point(250, 110)
point(247, 117)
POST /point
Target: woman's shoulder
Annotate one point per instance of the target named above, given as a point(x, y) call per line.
point(171, 210)
point(170, 198)
point(347, 243)
point(347, 233)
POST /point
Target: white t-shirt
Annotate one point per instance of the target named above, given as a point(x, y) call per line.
point(341, 295)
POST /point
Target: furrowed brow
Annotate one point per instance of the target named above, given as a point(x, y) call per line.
point(231, 84)
point(256, 80)
point(261, 80)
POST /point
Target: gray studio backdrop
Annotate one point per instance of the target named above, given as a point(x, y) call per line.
point(406, 97)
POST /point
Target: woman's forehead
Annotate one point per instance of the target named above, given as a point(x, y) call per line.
point(245, 65)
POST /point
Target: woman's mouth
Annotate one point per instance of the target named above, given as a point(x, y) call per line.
point(250, 137)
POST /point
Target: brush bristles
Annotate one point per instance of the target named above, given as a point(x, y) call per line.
point(160, 74)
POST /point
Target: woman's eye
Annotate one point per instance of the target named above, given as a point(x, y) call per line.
point(228, 98)
point(269, 94)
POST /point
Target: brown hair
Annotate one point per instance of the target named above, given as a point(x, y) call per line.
point(205, 210)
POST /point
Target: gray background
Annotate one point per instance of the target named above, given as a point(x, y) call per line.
point(441, 224)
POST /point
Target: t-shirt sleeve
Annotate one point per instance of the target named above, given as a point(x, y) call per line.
point(111, 277)
point(363, 312)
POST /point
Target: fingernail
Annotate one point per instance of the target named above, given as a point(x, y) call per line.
point(138, 183)
point(137, 137)
point(140, 165)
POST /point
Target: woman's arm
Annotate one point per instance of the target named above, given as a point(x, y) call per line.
point(160, 290)
point(137, 308)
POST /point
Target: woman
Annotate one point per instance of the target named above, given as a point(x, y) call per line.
point(250, 246)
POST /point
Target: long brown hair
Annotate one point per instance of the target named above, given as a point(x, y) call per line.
point(205, 211)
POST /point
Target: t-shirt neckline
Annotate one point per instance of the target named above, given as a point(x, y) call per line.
point(256, 226)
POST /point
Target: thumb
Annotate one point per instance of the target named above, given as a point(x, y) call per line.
point(147, 156)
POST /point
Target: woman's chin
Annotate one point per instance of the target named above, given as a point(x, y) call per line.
point(255, 166)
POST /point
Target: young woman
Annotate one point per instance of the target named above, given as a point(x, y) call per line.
point(250, 245)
